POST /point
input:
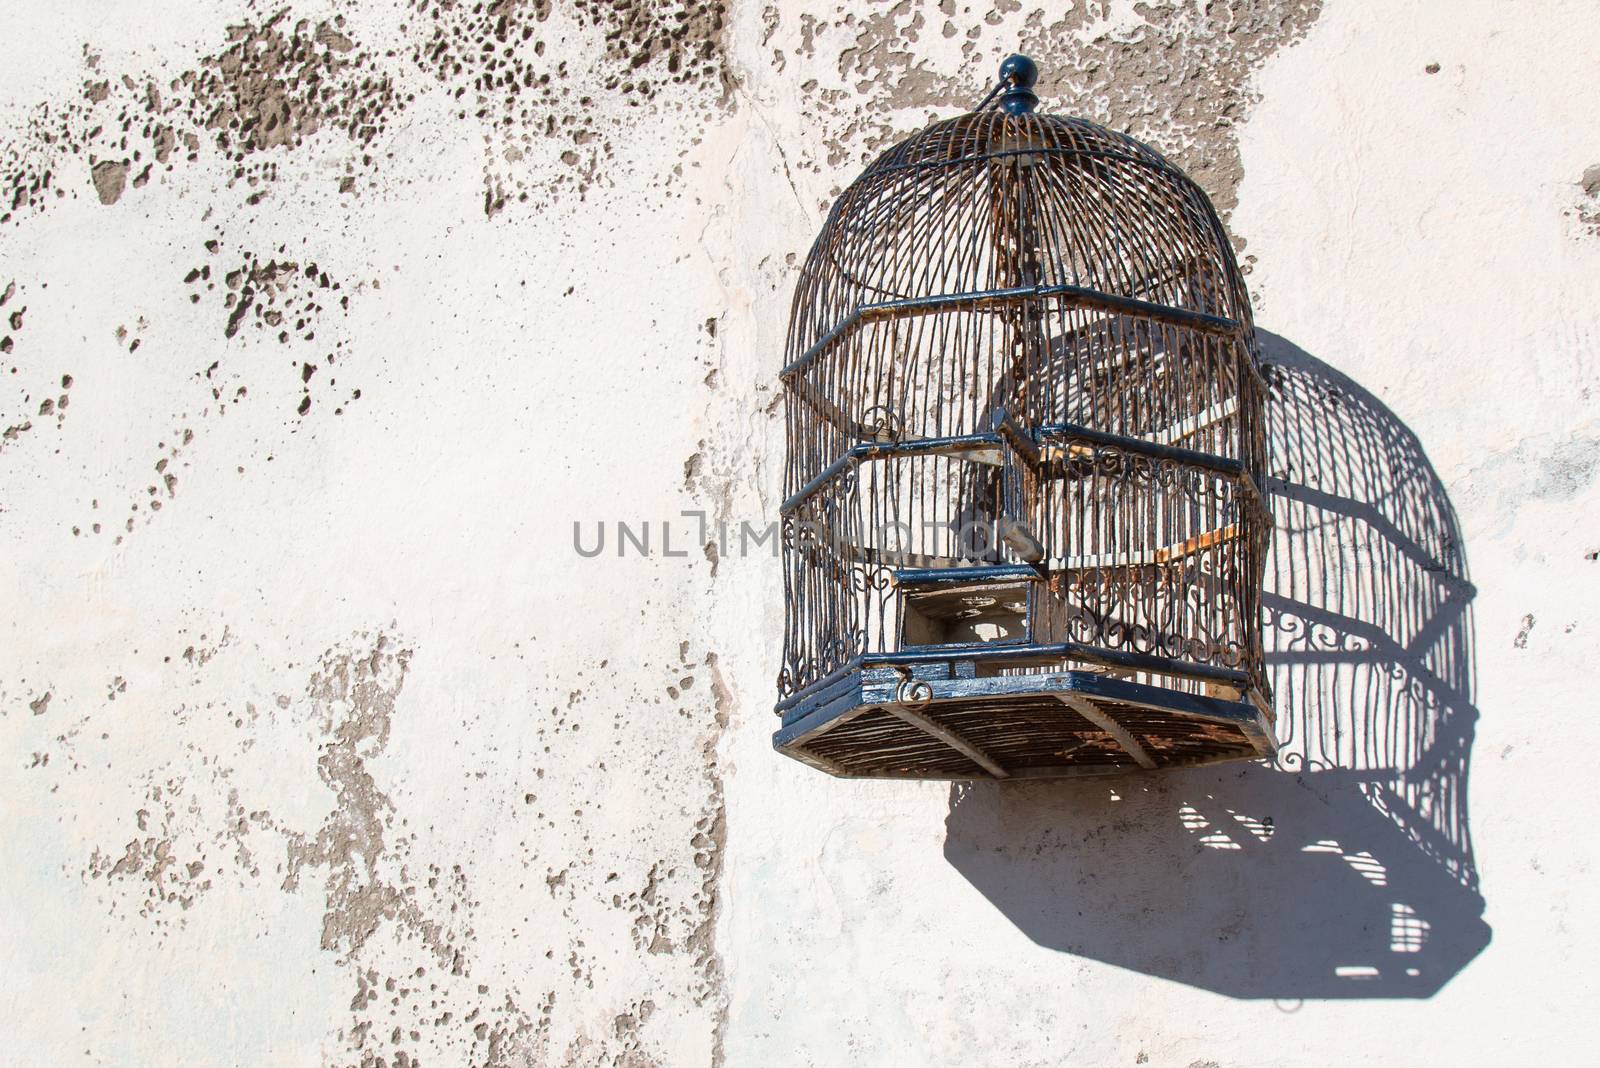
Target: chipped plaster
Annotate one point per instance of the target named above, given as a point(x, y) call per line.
point(320, 324)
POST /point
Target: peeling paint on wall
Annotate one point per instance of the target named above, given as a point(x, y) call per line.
point(321, 324)
point(1175, 74)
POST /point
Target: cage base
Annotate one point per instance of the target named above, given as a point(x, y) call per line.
point(879, 723)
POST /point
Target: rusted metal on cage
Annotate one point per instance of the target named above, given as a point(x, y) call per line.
point(1023, 532)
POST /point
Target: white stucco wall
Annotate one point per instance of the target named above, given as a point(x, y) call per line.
point(343, 754)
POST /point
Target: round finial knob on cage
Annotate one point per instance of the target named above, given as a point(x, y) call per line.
point(1020, 74)
point(1019, 70)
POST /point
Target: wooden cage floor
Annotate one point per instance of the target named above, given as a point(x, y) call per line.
point(1018, 726)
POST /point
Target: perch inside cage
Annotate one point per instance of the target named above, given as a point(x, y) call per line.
point(1024, 531)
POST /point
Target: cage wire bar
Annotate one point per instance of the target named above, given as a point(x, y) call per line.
point(1024, 532)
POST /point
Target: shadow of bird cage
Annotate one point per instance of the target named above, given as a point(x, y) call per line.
point(1345, 867)
point(1368, 607)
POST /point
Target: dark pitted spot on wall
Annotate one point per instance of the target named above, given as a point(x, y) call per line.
point(166, 881)
point(270, 86)
point(672, 42)
point(31, 157)
point(276, 84)
point(147, 498)
point(274, 296)
point(33, 397)
point(1588, 211)
point(278, 81)
point(273, 85)
point(109, 180)
point(554, 121)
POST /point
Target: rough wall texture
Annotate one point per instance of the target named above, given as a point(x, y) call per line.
point(322, 323)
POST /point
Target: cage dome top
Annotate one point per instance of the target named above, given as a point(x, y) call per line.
point(1100, 210)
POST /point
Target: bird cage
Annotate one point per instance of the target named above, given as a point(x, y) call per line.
point(1023, 533)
